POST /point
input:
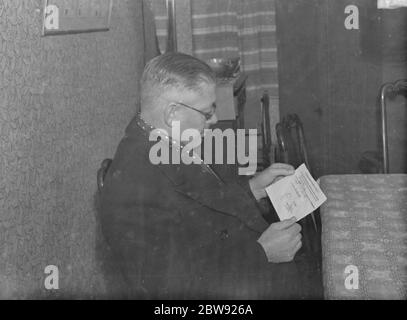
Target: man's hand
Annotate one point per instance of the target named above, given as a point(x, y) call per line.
point(268, 176)
point(281, 241)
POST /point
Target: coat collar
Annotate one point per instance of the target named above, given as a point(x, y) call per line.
point(150, 130)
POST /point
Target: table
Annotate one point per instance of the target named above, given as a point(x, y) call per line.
point(364, 224)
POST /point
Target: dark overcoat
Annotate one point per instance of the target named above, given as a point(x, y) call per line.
point(178, 232)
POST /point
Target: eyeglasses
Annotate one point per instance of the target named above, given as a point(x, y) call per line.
point(207, 115)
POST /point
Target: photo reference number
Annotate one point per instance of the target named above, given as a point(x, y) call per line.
point(203, 309)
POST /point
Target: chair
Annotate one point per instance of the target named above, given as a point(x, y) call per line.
point(388, 90)
point(101, 173)
point(265, 158)
point(291, 149)
point(376, 161)
point(104, 254)
point(265, 132)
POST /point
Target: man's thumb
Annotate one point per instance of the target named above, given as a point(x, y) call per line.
point(285, 223)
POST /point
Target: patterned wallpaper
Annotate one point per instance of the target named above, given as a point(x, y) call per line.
point(64, 103)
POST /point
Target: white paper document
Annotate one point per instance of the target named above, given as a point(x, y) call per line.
point(296, 195)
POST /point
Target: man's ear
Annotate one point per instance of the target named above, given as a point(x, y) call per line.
point(170, 114)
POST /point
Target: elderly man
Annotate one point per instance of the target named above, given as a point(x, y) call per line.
point(178, 230)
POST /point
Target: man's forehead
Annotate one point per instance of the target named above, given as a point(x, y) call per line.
point(180, 94)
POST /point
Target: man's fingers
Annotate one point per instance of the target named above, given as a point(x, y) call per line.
point(297, 238)
point(284, 224)
point(297, 247)
point(280, 171)
point(281, 166)
point(278, 165)
point(278, 179)
point(294, 229)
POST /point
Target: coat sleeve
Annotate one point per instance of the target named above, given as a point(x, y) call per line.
point(264, 205)
point(232, 198)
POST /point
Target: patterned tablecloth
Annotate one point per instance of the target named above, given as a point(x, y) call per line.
point(364, 225)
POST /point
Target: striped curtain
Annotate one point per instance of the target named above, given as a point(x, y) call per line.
point(232, 28)
point(159, 8)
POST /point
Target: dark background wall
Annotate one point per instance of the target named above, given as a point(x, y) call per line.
point(331, 76)
point(393, 33)
point(64, 103)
